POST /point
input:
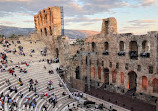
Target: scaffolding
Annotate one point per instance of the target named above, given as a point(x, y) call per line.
point(62, 20)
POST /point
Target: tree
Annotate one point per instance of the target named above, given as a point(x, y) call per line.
point(13, 36)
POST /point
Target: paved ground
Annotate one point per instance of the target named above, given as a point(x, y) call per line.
point(120, 100)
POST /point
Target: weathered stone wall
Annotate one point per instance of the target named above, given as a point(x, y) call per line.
point(78, 84)
point(125, 61)
point(48, 27)
point(109, 26)
point(120, 66)
point(48, 21)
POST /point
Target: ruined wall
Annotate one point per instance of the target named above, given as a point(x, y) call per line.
point(117, 59)
point(48, 21)
point(109, 26)
point(48, 27)
point(121, 59)
point(78, 84)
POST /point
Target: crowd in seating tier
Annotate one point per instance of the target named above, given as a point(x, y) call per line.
point(35, 71)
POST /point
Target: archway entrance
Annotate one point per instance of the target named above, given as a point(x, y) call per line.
point(106, 75)
point(132, 80)
point(77, 71)
point(57, 52)
point(155, 85)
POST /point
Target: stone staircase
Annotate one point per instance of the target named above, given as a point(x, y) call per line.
point(35, 71)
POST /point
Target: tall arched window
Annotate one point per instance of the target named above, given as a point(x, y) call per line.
point(145, 49)
point(133, 47)
point(93, 46)
point(106, 46)
point(122, 77)
point(144, 82)
point(41, 17)
point(77, 71)
point(114, 76)
point(122, 46)
point(99, 72)
point(50, 29)
point(45, 17)
point(145, 46)
point(41, 31)
point(155, 85)
point(45, 31)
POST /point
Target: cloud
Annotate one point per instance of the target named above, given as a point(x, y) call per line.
point(87, 24)
point(82, 19)
point(71, 7)
point(7, 22)
point(148, 2)
point(28, 21)
point(144, 23)
point(139, 26)
point(98, 6)
point(24, 14)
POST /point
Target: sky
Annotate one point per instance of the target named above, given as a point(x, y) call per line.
point(133, 16)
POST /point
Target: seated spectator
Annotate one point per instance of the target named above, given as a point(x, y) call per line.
point(64, 93)
point(36, 82)
point(60, 84)
point(20, 94)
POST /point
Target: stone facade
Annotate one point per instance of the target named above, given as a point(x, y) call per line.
point(48, 27)
point(122, 62)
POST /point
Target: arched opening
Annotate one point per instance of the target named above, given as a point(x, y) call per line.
point(93, 46)
point(50, 29)
point(41, 17)
point(46, 18)
point(41, 31)
point(155, 85)
point(57, 52)
point(121, 46)
point(133, 48)
point(145, 46)
point(122, 77)
point(106, 46)
point(144, 82)
point(45, 31)
point(145, 49)
point(106, 75)
point(86, 60)
point(77, 71)
point(92, 72)
point(106, 27)
point(113, 76)
point(99, 72)
point(132, 80)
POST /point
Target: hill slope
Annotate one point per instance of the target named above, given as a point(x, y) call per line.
point(72, 34)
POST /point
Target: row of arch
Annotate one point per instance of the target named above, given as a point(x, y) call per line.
point(132, 81)
point(45, 14)
point(133, 46)
point(46, 31)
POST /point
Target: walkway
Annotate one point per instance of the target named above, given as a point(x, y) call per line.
point(120, 100)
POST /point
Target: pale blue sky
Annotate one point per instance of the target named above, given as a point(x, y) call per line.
point(136, 16)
